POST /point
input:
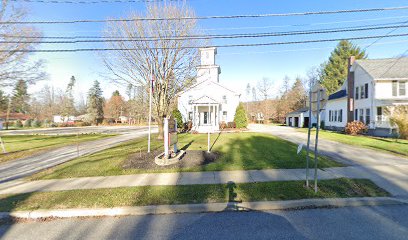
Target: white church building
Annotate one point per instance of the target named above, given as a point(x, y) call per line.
point(208, 103)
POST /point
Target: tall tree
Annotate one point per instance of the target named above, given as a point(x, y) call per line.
point(95, 103)
point(14, 62)
point(335, 70)
point(166, 59)
point(68, 99)
point(3, 101)
point(20, 98)
point(264, 87)
point(115, 106)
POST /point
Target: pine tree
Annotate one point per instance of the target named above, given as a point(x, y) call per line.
point(240, 118)
point(20, 98)
point(95, 103)
point(335, 70)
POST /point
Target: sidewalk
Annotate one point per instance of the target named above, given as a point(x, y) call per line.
point(397, 187)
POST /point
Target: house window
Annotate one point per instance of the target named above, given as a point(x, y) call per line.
point(355, 114)
point(379, 111)
point(394, 88)
point(190, 99)
point(361, 115)
point(205, 117)
point(362, 95)
point(190, 116)
point(367, 120)
point(335, 116)
point(224, 99)
point(330, 114)
point(356, 93)
point(224, 116)
point(402, 90)
point(341, 115)
point(366, 90)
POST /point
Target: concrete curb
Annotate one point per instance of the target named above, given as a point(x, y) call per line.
point(200, 208)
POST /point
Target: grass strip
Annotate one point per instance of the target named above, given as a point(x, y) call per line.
point(185, 194)
point(389, 145)
point(239, 151)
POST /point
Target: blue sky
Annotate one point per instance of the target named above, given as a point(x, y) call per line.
point(239, 65)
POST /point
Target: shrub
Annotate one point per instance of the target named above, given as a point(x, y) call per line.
point(223, 125)
point(231, 125)
point(178, 117)
point(399, 117)
point(28, 122)
point(18, 124)
point(36, 123)
point(240, 117)
point(355, 127)
point(47, 123)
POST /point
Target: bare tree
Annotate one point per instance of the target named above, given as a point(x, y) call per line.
point(264, 87)
point(157, 52)
point(15, 65)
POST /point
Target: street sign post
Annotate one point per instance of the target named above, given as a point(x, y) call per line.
point(317, 101)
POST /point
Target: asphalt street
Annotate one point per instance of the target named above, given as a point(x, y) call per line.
point(74, 130)
point(19, 168)
point(381, 222)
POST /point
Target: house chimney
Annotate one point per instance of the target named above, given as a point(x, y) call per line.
point(350, 90)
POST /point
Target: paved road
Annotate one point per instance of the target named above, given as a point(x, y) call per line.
point(382, 222)
point(386, 170)
point(27, 166)
point(73, 130)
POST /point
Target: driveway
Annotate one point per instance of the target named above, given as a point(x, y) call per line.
point(27, 166)
point(386, 170)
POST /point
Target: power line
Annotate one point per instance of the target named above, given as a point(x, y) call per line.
point(190, 47)
point(212, 17)
point(89, 2)
point(198, 37)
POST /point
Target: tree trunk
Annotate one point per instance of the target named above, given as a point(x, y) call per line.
point(161, 129)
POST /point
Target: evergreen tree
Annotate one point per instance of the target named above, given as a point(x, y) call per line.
point(240, 118)
point(20, 98)
point(178, 117)
point(95, 103)
point(335, 70)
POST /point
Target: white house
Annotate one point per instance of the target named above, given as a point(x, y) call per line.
point(208, 103)
point(371, 86)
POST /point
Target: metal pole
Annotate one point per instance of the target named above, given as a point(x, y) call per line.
point(166, 137)
point(150, 109)
point(317, 138)
point(308, 135)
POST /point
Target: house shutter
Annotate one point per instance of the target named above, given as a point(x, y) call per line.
point(394, 88)
point(366, 90)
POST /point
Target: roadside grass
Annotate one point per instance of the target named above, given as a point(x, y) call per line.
point(20, 146)
point(239, 151)
point(189, 194)
point(390, 145)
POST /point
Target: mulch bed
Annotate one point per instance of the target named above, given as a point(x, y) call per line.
point(192, 158)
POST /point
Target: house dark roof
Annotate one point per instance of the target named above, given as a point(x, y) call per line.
point(389, 68)
point(338, 94)
point(302, 110)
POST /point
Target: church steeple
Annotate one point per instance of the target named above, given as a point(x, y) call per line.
point(208, 70)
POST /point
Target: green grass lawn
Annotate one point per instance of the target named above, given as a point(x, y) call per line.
point(19, 146)
point(391, 145)
point(159, 195)
point(239, 151)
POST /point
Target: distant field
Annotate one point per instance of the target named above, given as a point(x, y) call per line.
point(19, 146)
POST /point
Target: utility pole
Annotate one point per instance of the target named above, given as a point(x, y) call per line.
point(151, 81)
